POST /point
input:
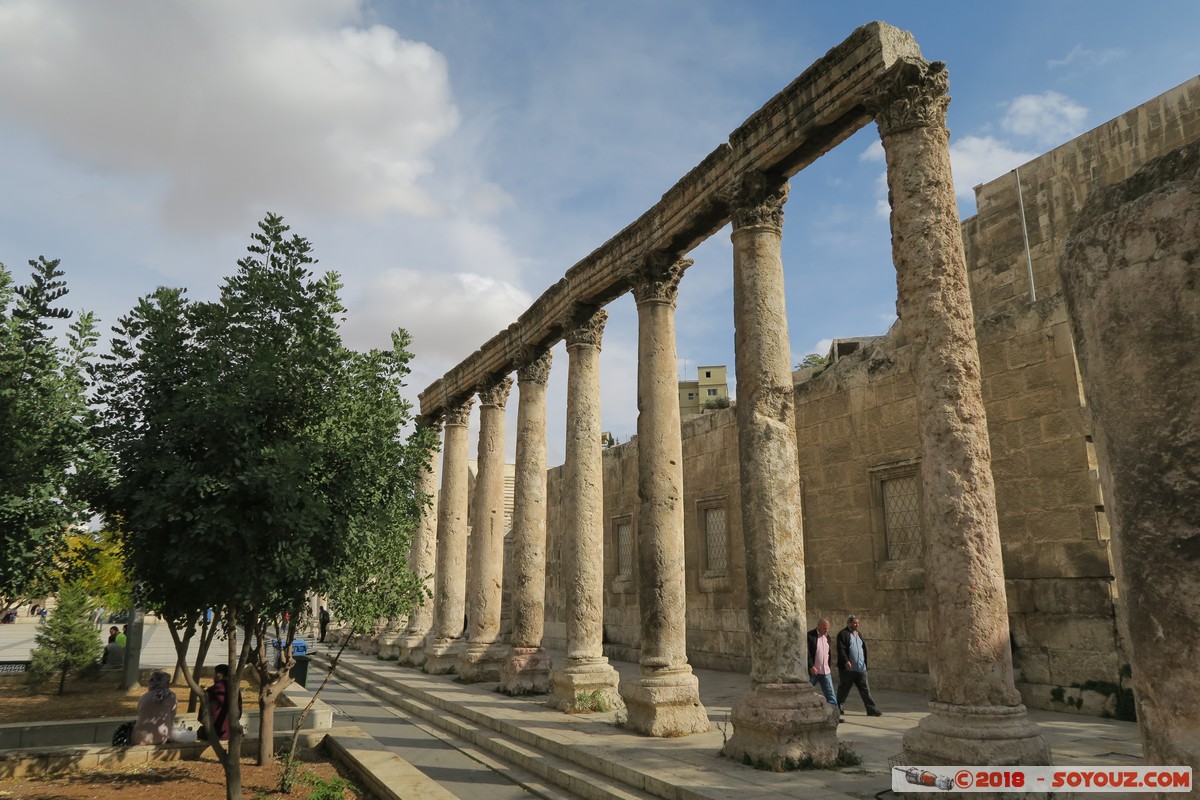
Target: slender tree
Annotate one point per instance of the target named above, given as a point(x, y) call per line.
point(44, 441)
point(67, 641)
point(256, 456)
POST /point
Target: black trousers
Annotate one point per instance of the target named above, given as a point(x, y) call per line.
point(847, 679)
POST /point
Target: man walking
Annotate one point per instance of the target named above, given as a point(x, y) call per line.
point(852, 666)
point(323, 621)
point(820, 660)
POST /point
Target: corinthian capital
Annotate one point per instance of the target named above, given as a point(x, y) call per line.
point(912, 94)
point(459, 413)
point(586, 326)
point(655, 278)
point(757, 199)
point(433, 423)
point(536, 368)
point(495, 392)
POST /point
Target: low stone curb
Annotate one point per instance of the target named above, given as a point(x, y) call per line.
point(380, 771)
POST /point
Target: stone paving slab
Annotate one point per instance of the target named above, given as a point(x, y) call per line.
point(690, 768)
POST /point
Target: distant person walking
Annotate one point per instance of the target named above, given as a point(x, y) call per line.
point(820, 660)
point(323, 620)
point(852, 666)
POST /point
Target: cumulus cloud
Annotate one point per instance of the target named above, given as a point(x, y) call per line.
point(978, 159)
point(1049, 118)
point(449, 314)
point(229, 107)
point(873, 153)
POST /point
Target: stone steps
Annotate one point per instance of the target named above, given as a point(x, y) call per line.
point(566, 765)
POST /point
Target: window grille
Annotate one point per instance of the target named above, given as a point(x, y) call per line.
point(716, 541)
point(624, 549)
point(902, 517)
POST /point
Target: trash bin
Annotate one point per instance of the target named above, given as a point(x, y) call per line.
point(300, 668)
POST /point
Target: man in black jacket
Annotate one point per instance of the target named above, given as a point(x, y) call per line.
point(820, 660)
point(852, 666)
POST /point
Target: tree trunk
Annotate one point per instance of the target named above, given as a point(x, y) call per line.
point(62, 682)
point(266, 725)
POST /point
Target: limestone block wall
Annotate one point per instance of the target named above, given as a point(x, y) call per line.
point(1054, 187)
point(856, 427)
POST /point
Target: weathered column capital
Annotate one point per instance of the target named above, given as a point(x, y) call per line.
point(757, 199)
point(655, 278)
point(495, 392)
point(535, 368)
point(585, 326)
point(459, 413)
point(912, 94)
point(430, 422)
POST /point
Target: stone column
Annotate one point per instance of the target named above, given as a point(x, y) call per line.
point(484, 654)
point(422, 559)
point(665, 700)
point(1131, 277)
point(587, 682)
point(444, 644)
point(783, 719)
point(976, 715)
point(527, 669)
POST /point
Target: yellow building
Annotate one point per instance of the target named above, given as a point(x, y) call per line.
point(711, 389)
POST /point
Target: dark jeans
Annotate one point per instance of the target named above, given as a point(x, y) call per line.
point(848, 678)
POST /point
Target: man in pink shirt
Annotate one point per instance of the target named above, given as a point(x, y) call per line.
point(820, 660)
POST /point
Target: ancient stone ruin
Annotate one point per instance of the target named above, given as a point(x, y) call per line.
point(980, 359)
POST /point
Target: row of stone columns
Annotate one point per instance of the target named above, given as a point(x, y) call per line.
point(976, 716)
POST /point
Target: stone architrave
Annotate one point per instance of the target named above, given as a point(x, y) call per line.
point(484, 653)
point(782, 720)
point(586, 682)
point(665, 699)
point(422, 559)
point(445, 644)
point(1131, 277)
point(976, 715)
point(527, 669)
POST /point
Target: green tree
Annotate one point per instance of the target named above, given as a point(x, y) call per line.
point(814, 361)
point(67, 640)
point(256, 457)
point(44, 419)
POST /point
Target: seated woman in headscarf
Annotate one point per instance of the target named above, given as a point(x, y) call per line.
point(156, 711)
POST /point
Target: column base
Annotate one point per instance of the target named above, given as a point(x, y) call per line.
point(783, 726)
point(586, 686)
point(410, 650)
point(369, 645)
point(665, 702)
point(442, 655)
point(526, 671)
point(389, 645)
point(984, 735)
point(481, 662)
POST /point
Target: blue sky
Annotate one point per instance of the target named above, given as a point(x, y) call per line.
point(452, 158)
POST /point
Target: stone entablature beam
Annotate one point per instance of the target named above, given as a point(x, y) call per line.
point(822, 107)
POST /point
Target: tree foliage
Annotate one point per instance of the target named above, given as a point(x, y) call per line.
point(256, 456)
point(45, 447)
point(814, 361)
point(67, 640)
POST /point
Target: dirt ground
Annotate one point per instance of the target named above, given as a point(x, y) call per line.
point(166, 780)
point(169, 780)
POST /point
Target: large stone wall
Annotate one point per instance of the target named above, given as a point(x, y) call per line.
point(856, 426)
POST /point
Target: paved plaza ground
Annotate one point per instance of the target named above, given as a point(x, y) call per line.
point(692, 763)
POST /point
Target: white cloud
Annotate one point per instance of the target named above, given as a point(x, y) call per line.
point(873, 153)
point(228, 108)
point(1085, 57)
point(449, 314)
point(978, 159)
point(1049, 118)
